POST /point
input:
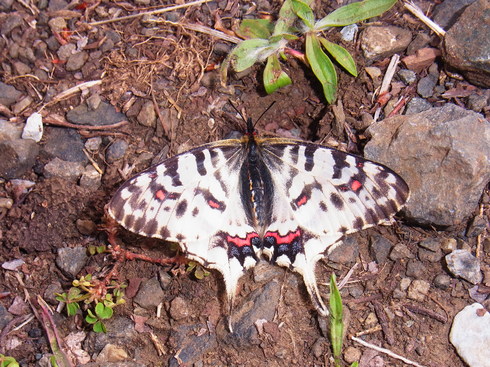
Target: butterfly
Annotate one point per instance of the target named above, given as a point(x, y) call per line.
point(232, 202)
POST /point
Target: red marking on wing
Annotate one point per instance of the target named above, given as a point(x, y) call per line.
point(289, 238)
point(213, 204)
point(160, 195)
point(240, 242)
point(302, 200)
point(355, 185)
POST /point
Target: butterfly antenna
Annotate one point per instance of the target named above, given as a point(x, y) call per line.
point(263, 113)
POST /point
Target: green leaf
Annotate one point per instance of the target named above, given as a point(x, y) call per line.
point(90, 318)
point(72, 308)
point(8, 361)
point(354, 364)
point(255, 28)
point(103, 312)
point(274, 77)
point(99, 327)
point(247, 53)
point(341, 55)
point(73, 293)
point(304, 12)
point(336, 323)
point(354, 13)
point(321, 66)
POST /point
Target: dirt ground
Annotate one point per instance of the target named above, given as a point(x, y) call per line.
point(170, 71)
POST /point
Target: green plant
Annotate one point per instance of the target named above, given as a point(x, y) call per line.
point(336, 320)
point(8, 361)
point(199, 271)
point(268, 41)
point(92, 291)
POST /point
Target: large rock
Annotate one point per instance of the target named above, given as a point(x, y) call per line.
point(443, 154)
point(467, 43)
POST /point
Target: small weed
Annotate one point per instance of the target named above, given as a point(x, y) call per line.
point(267, 41)
point(8, 361)
point(90, 291)
point(199, 271)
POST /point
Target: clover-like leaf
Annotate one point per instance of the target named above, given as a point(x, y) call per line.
point(255, 28)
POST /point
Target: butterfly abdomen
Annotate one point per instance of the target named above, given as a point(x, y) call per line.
point(256, 188)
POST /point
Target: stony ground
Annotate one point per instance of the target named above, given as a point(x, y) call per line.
point(154, 91)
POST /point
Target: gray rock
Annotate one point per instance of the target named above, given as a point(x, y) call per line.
point(346, 251)
point(150, 294)
point(401, 251)
point(9, 130)
point(447, 12)
point(380, 248)
point(20, 106)
point(407, 76)
point(425, 86)
point(86, 226)
point(71, 260)
point(421, 40)
point(179, 309)
point(415, 269)
point(91, 178)
point(116, 150)
point(259, 304)
point(11, 21)
point(65, 144)
point(66, 51)
point(93, 144)
point(5, 316)
point(467, 45)
point(470, 335)
point(442, 281)
point(418, 290)
point(70, 171)
point(417, 105)
point(17, 157)
point(264, 272)
point(50, 292)
point(431, 244)
point(348, 33)
point(21, 68)
point(430, 256)
point(443, 155)
point(76, 61)
point(105, 114)
point(147, 115)
point(477, 102)
point(477, 226)
point(378, 42)
point(463, 264)
point(191, 347)
point(8, 94)
point(120, 331)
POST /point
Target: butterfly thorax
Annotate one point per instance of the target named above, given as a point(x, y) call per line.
point(256, 187)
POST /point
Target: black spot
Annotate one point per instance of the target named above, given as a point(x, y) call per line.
point(133, 189)
point(217, 175)
point(309, 153)
point(151, 227)
point(358, 223)
point(340, 163)
point(139, 224)
point(376, 193)
point(352, 200)
point(180, 237)
point(142, 204)
point(323, 206)
point(166, 209)
point(200, 157)
point(294, 154)
point(343, 188)
point(343, 230)
point(380, 179)
point(337, 201)
point(256, 241)
point(195, 211)
point(128, 221)
point(173, 171)
point(164, 233)
point(181, 208)
point(371, 216)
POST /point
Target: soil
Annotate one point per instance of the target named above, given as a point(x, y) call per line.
point(169, 71)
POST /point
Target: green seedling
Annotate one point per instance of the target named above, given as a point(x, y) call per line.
point(199, 271)
point(336, 320)
point(90, 291)
point(8, 361)
point(268, 42)
point(101, 312)
point(93, 250)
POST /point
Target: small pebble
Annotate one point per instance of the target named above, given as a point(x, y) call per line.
point(86, 226)
point(449, 245)
point(442, 281)
point(91, 178)
point(116, 150)
point(150, 294)
point(6, 203)
point(415, 269)
point(418, 290)
point(407, 76)
point(430, 244)
point(93, 144)
point(463, 264)
point(179, 309)
point(318, 347)
point(352, 354)
point(401, 251)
